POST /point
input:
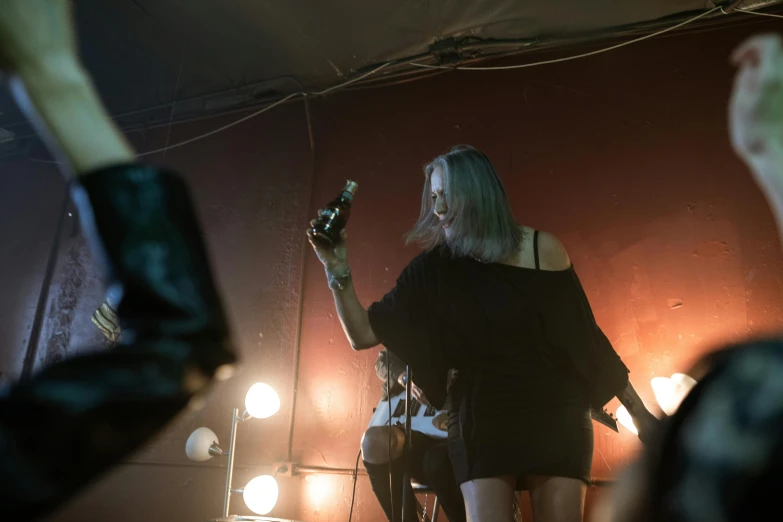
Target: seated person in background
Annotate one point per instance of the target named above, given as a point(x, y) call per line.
point(719, 458)
point(75, 420)
point(429, 460)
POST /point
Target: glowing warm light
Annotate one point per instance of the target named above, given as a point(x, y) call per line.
point(197, 446)
point(319, 487)
point(624, 418)
point(684, 384)
point(260, 494)
point(670, 392)
point(663, 388)
point(262, 401)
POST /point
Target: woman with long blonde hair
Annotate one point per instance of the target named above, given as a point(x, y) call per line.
point(501, 304)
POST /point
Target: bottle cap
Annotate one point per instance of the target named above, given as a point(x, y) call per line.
point(351, 187)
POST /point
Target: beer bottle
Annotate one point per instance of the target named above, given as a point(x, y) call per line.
point(332, 220)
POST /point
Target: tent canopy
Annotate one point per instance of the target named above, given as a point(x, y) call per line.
point(210, 56)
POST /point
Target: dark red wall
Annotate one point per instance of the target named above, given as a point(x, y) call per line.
point(624, 156)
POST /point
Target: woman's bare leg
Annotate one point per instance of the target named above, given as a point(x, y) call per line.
point(489, 499)
point(557, 499)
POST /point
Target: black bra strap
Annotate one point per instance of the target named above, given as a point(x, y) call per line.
point(535, 249)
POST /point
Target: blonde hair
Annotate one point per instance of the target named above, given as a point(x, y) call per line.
point(479, 214)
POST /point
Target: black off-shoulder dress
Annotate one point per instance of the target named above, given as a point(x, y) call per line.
point(530, 361)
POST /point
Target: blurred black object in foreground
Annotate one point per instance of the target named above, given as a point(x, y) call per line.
point(75, 420)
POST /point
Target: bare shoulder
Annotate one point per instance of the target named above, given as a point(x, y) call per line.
point(552, 253)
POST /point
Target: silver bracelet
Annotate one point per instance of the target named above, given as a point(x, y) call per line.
point(336, 282)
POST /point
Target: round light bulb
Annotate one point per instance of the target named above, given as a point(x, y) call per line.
point(682, 386)
point(664, 391)
point(260, 494)
point(624, 418)
point(262, 401)
point(197, 446)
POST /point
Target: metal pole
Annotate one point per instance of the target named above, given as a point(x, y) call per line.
point(235, 418)
point(406, 477)
point(408, 405)
point(28, 365)
point(303, 266)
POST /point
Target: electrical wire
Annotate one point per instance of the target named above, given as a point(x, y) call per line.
point(354, 80)
point(355, 478)
point(220, 129)
point(426, 66)
point(757, 13)
point(416, 78)
point(356, 467)
point(176, 96)
point(416, 64)
point(574, 57)
point(265, 109)
point(373, 84)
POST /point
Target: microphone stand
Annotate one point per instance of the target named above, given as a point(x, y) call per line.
point(406, 452)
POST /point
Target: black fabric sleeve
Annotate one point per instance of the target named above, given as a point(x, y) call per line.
point(406, 321)
point(75, 420)
point(578, 341)
point(400, 317)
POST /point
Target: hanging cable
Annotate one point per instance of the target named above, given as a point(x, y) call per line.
point(265, 109)
point(415, 64)
point(355, 477)
point(176, 96)
point(757, 13)
point(223, 128)
point(426, 66)
point(574, 57)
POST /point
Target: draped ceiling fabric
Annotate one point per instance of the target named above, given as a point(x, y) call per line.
point(211, 55)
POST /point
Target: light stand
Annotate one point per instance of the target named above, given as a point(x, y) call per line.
point(235, 419)
point(261, 492)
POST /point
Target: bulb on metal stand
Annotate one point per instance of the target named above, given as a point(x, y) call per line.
point(683, 384)
point(624, 418)
point(199, 443)
point(670, 392)
point(326, 231)
point(262, 401)
point(260, 494)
